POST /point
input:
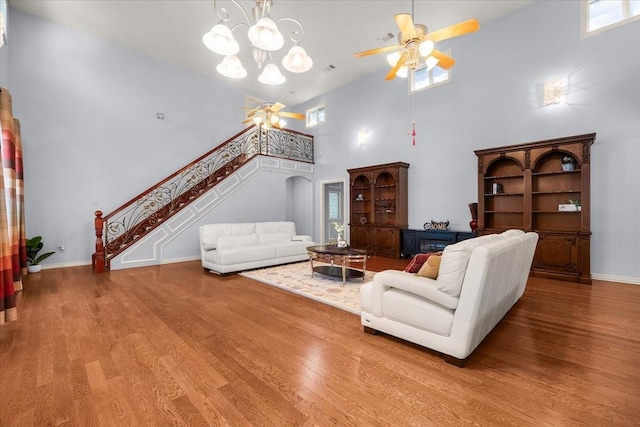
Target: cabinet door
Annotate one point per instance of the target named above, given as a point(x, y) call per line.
point(410, 245)
point(558, 254)
point(361, 238)
point(386, 241)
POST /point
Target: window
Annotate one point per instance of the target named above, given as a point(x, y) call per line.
point(422, 78)
point(603, 15)
point(316, 116)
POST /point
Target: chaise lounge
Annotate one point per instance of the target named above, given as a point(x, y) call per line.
point(478, 281)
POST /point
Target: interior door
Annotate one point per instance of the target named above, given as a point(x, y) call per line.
point(333, 208)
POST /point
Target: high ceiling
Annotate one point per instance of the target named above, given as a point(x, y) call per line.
point(171, 30)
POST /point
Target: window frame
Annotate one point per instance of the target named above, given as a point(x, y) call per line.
point(321, 106)
point(412, 89)
point(584, 19)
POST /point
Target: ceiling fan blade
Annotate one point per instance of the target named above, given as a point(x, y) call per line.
point(405, 23)
point(247, 121)
point(445, 61)
point(376, 50)
point(292, 115)
point(277, 107)
point(392, 74)
point(455, 30)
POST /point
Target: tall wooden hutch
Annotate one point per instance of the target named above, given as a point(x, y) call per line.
point(378, 207)
point(532, 187)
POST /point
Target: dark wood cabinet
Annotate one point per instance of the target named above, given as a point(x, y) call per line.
point(541, 186)
point(378, 211)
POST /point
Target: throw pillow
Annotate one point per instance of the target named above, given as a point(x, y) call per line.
point(431, 267)
point(417, 262)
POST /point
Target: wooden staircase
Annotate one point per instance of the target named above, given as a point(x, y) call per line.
point(124, 227)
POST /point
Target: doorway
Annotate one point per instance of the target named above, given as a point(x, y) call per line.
point(333, 208)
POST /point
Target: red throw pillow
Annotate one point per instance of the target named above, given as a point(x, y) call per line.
point(417, 262)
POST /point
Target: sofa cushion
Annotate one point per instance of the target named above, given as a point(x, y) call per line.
point(431, 267)
point(512, 232)
point(246, 254)
point(290, 249)
point(232, 242)
point(210, 233)
point(276, 227)
point(414, 284)
point(452, 268)
point(455, 258)
point(416, 262)
point(268, 238)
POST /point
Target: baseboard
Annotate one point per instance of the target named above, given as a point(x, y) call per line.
point(183, 259)
point(81, 263)
point(65, 264)
point(619, 279)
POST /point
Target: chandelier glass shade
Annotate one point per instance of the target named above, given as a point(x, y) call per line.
point(220, 40)
point(271, 75)
point(231, 67)
point(265, 39)
point(265, 35)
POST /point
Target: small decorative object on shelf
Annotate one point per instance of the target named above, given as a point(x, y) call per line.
point(568, 163)
point(576, 203)
point(340, 242)
point(359, 197)
point(496, 188)
point(473, 208)
point(436, 225)
point(363, 220)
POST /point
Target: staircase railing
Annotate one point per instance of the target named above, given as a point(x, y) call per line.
point(121, 228)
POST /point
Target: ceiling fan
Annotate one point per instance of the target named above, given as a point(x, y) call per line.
point(416, 45)
point(269, 115)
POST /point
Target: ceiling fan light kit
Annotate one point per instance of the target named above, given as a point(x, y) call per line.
point(265, 38)
point(270, 115)
point(416, 46)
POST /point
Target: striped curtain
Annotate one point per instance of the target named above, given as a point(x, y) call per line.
point(12, 230)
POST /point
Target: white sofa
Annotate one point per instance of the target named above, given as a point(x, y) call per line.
point(479, 280)
point(227, 248)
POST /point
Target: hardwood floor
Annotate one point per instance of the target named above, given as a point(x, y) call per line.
point(174, 345)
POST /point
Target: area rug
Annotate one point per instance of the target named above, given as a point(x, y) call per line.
point(329, 290)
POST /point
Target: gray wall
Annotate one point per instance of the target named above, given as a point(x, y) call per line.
point(92, 140)
point(494, 99)
point(91, 137)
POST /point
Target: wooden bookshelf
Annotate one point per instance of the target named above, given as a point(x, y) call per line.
point(522, 186)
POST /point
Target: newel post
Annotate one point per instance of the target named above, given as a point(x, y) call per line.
point(97, 260)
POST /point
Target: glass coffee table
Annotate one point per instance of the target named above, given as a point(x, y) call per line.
point(338, 258)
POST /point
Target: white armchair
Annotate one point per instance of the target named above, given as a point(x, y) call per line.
point(478, 282)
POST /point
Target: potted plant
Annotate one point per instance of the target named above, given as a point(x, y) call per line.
point(34, 246)
point(576, 203)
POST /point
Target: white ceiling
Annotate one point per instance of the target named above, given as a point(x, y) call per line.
point(171, 30)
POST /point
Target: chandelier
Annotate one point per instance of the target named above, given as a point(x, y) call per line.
point(265, 39)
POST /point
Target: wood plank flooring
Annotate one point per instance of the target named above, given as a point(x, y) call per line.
point(175, 345)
